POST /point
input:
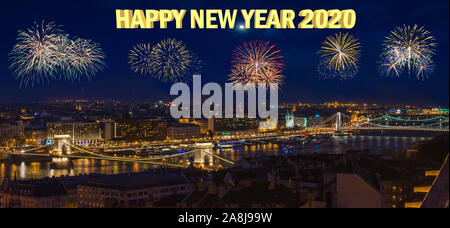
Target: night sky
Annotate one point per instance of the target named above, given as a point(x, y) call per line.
point(96, 20)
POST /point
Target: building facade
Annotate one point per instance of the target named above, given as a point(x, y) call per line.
point(79, 133)
point(46, 193)
point(139, 129)
point(183, 131)
point(123, 191)
point(9, 133)
point(290, 121)
point(235, 124)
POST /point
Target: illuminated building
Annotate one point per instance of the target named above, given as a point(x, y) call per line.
point(139, 129)
point(183, 131)
point(136, 190)
point(395, 192)
point(34, 136)
point(314, 120)
point(10, 132)
point(354, 117)
point(79, 133)
point(24, 117)
point(235, 124)
point(301, 122)
point(436, 194)
point(268, 125)
point(107, 127)
point(290, 119)
point(45, 193)
point(211, 124)
point(202, 123)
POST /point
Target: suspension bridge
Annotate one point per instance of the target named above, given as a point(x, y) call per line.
point(201, 157)
point(342, 122)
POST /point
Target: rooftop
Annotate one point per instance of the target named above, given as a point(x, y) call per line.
point(137, 180)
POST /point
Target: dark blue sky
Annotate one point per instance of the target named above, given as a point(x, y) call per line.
point(96, 20)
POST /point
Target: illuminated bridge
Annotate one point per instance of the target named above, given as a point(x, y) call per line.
point(201, 157)
point(340, 121)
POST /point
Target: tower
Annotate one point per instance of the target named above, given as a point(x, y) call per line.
point(290, 119)
point(338, 120)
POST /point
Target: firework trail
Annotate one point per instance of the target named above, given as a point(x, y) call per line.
point(408, 48)
point(35, 57)
point(326, 73)
point(140, 59)
point(84, 57)
point(424, 69)
point(172, 61)
point(340, 56)
point(257, 62)
point(44, 53)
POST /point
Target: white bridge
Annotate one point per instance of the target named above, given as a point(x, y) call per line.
point(340, 121)
point(201, 157)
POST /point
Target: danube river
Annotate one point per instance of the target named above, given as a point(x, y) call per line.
point(335, 145)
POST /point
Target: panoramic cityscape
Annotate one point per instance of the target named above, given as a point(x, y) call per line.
point(75, 145)
point(353, 114)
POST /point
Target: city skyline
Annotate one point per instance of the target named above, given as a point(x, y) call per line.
point(215, 48)
point(199, 104)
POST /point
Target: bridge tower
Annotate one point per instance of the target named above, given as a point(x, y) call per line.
point(338, 120)
point(202, 154)
point(61, 142)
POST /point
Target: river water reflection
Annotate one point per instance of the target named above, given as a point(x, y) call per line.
point(337, 145)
